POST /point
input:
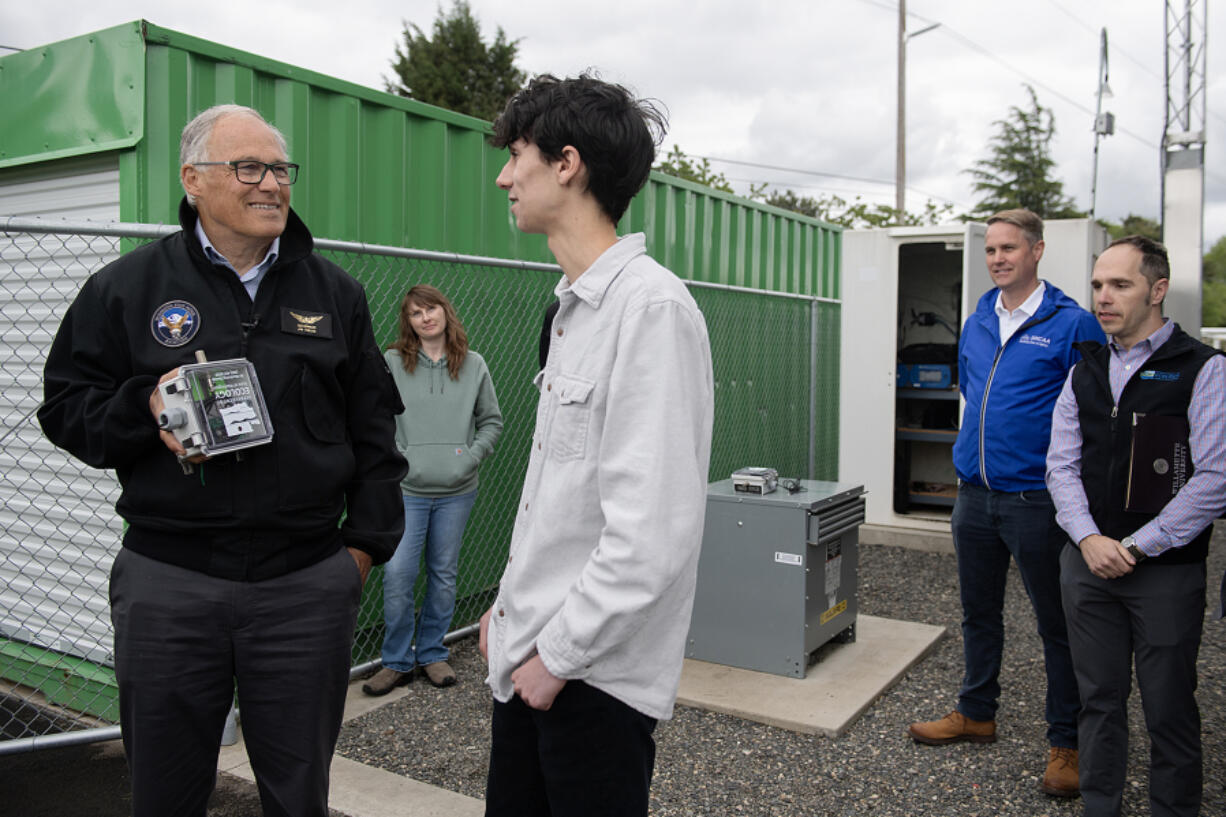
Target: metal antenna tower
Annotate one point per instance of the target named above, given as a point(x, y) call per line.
point(1183, 157)
point(1104, 123)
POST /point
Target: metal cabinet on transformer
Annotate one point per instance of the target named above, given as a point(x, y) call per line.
point(777, 575)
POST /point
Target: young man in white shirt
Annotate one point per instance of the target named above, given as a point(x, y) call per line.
point(585, 640)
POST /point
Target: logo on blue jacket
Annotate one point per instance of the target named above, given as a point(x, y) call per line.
point(1035, 340)
point(175, 323)
point(1154, 374)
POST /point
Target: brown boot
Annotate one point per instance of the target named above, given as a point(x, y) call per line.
point(1060, 780)
point(385, 680)
point(440, 674)
point(953, 728)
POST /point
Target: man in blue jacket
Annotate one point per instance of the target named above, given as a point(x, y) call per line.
point(1014, 354)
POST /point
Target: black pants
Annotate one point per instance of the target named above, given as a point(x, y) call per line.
point(182, 642)
point(1154, 616)
point(589, 755)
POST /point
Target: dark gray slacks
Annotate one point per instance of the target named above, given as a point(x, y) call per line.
point(183, 640)
point(1153, 616)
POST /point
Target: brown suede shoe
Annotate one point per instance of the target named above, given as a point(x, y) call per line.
point(385, 680)
point(440, 674)
point(953, 728)
point(1060, 780)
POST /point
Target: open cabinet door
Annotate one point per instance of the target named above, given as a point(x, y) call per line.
point(975, 278)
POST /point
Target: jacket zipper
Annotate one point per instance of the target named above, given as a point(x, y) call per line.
point(983, 413)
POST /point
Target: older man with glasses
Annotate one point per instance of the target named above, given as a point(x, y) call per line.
point(241, 572)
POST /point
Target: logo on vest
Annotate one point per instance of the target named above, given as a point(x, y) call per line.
point(1154, 374)
point(175, 323)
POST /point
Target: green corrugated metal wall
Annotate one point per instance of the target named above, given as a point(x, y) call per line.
point(377, 168)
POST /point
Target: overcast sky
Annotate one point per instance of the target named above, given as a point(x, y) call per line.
point(808, 85)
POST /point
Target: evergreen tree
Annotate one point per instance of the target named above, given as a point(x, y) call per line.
point(1018, 171)
point(455, 69)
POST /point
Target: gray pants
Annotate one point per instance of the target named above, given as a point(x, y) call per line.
point(1153, 615)
point(184, 639)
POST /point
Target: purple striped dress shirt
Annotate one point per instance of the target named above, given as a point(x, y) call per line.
point(1197, 504)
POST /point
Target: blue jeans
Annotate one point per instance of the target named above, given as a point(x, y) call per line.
point(434, 525)
point(989, 527)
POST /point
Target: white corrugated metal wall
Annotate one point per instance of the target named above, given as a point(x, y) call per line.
point(58, 529)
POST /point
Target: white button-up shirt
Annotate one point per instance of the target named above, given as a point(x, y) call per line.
point(1010, 322)
point(604, 552)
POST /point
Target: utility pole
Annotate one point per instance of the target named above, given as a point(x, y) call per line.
point(900, 136)
point(900, 139)
point(1183, 158)
point(1104, 123)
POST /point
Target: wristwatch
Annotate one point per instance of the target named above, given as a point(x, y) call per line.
point(1130, 544)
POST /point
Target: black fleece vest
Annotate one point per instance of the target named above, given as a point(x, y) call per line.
point(1163, 386)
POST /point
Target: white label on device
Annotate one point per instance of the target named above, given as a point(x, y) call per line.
point(787, 558)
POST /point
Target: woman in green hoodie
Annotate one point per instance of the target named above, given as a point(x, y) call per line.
point(449, 424)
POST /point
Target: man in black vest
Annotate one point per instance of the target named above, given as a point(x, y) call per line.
point(1133, 573)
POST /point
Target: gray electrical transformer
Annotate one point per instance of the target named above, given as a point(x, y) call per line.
point(777, 575)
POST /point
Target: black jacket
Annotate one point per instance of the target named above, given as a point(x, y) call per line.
point(277, 507)
point(1107, 430)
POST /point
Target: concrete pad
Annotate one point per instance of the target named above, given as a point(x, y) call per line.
point(925, 534)
point(845, 681)
point(365, 791)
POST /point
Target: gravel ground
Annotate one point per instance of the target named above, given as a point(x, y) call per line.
point(711, 764)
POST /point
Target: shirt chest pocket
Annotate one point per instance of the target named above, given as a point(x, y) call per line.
point(572, 417)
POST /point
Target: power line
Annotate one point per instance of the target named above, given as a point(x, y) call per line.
point(1114, 47)
point(976, 47)
point(794, 170)
point(823, 188)
point(807, 172)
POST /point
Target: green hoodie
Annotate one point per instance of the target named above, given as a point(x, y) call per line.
point(448, 426)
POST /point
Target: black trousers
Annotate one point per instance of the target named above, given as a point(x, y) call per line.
point(1154, 616)
point(589, 755)
point(183, 640)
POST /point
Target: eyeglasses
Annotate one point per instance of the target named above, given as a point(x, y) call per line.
point(252, 172)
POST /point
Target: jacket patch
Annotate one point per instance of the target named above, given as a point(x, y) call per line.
point(175, 323)
point(304, 322)
point(1035, 340)
point(1154, 374)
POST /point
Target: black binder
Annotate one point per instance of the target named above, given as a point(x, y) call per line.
point(1160, 462)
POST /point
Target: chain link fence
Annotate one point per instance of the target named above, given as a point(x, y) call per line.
point(776, 370)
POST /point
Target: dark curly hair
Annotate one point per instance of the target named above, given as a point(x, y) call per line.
point(615, 133)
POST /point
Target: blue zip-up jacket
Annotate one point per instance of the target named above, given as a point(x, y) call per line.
point(1010, 391)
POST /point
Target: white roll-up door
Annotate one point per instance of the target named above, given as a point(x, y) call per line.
point(58, 528)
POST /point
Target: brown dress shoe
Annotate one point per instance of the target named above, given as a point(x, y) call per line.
point(440, 674)
point(385, 680)
point(1060, 780)
point(953, 728)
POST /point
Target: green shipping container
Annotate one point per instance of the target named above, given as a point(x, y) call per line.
point(377, 168)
